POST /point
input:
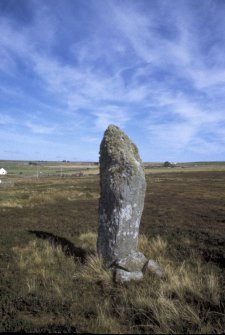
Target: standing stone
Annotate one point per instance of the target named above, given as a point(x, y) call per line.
point(123, 185)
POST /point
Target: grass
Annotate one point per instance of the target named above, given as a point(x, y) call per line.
point(51, 279)
point(188, 300)
point(38, 169)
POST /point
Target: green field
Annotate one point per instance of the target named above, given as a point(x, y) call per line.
point(52, 281)
point(39, 169)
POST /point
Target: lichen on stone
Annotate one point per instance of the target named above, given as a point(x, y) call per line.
point(124, 156)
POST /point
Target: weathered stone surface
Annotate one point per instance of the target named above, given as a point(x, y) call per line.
point(125, 276)
point(153, 267)
point(135, 261)
point(122, 182)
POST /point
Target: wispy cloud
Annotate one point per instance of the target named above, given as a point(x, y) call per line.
point(6, 119)
point(40, 129)
point(111, 115)
point(146, 66)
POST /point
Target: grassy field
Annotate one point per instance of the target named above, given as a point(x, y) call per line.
point(39, 169)
point(51, 279)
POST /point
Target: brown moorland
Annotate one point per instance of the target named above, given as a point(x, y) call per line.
point(52, 281)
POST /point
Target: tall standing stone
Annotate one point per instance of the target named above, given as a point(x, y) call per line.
point(123, 185)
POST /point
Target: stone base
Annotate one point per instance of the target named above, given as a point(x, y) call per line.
point(125, 275)
point(153, 267)
point(122, 276)
point(134, 262)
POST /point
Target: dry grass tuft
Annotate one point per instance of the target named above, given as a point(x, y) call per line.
point(95, 271)
point(88, 241)
point(45, 267)
point(154, 248)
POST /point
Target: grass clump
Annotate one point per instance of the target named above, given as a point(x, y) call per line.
point(94, 271)
point(45, 268)
point(153, 249)
point(88, 241)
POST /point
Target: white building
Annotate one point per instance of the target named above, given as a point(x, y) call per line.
point(3, 172)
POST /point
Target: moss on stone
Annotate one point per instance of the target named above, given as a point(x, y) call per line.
point(119, 152)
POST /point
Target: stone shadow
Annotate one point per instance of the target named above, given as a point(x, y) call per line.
point(68, 248)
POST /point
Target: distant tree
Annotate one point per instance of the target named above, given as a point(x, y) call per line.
point(168, 164)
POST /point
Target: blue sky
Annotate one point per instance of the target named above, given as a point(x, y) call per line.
point(155, 68)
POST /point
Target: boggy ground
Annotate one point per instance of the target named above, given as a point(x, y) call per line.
point(52, 281)
point(188, 208)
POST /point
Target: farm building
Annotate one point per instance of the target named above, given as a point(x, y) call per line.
point(3, 172)
point(79, 174)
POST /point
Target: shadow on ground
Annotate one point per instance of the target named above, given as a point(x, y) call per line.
point(68, 247)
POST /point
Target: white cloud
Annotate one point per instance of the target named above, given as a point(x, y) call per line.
point(6, 119)
point(110, 115)
point(90, 139)
point(173, 136)
point(41, 129)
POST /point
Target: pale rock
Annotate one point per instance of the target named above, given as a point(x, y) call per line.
point(125, 276)
point(153, 267)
